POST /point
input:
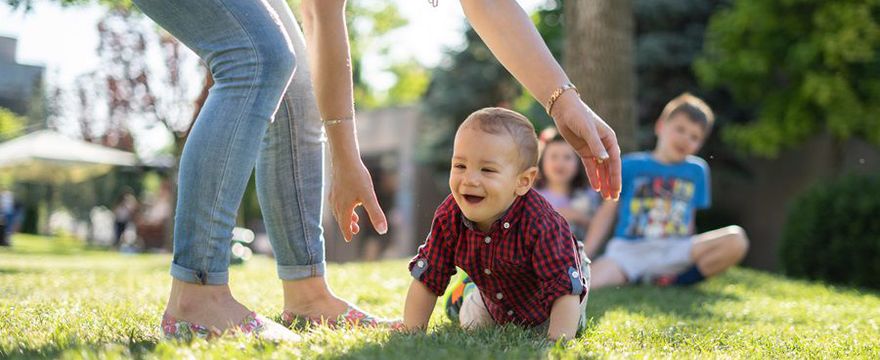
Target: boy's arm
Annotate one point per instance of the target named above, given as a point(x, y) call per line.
point(420, 303)
point(564, 316)
point(599, 227)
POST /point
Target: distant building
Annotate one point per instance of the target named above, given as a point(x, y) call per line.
point(19, 84)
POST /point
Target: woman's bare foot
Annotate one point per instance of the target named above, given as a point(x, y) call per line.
point(312, 298)
point(211, 306)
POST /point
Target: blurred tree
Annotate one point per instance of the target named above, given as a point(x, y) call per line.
point(808, 66)
point(11, 125)
point(669, 37)
point(600, 60)
point(471, 78)
point(411, 84)
point(132, 89)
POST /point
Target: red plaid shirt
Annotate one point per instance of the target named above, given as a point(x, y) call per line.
point(521, 266)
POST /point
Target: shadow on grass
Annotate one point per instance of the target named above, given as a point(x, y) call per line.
point(683, 302)
point(135, 349)
point(16, 271)
point(448, 341)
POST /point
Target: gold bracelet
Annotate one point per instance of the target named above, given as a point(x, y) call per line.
point(556, 94)
point(332, 122)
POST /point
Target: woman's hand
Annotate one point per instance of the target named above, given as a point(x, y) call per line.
point(593, 140)
point(512, 37)
point(351, 186)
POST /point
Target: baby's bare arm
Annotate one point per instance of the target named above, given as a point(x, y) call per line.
point(419, 305)
point(564, 317)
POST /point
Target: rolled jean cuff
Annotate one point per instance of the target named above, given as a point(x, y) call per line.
point(199, 277)
point(299, 272)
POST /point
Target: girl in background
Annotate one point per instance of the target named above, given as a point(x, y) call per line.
point(563, 182)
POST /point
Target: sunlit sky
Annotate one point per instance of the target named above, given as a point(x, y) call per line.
point(64, 39)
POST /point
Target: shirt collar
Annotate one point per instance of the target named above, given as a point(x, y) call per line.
point(504, 223)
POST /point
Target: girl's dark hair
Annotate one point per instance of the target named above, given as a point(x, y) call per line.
point(579, 181)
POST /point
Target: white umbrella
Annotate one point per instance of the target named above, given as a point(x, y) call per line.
point(49, 157)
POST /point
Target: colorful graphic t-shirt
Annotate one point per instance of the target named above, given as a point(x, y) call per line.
point(660, 200)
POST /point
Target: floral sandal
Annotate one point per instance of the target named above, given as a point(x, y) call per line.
point(352, 317)
point(253, 324)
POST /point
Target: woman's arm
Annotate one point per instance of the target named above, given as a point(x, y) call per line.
point(327, 39)
point(419, 305)
point(507, 30)
point(564, 316)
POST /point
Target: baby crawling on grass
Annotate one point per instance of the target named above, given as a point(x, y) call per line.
point(524, 265)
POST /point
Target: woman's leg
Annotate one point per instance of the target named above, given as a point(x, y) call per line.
point(252, 62)
point(290, 186)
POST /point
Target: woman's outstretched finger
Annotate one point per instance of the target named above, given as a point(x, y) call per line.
point(377, 216)
point(343, 219)
point(592, 173)
point(355, 228)
point(606, 180)
point(613, 170)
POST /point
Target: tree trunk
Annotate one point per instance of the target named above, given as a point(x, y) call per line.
point(600, 60)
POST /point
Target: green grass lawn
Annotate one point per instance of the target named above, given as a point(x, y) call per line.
point(58, 299)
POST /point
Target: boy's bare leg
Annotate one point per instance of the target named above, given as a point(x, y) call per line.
point(715, 251)
point(605, 272)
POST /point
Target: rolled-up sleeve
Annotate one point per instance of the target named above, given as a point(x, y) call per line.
point(557, 263)
point(433, 265)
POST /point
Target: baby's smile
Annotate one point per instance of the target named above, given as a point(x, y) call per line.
point(473, 199)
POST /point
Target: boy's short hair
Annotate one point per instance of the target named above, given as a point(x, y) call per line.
point(494, 120)
point(691, 106)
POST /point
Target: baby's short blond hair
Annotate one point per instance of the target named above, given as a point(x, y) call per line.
point(494, 120)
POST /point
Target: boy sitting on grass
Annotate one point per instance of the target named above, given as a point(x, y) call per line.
point(519, 252)
point(654, 239)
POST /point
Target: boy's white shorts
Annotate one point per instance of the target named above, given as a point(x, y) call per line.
point(642, 257)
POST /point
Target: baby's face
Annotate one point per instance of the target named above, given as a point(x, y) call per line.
point(485, 177)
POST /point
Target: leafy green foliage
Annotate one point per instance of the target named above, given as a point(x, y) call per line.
point(809, 66)
point(472, 78)
point(669, 37)
point(832, 233)
point(11, 125)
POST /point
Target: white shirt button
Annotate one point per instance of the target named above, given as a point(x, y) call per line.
point(499, 296)
point(420, 263)
point(487, 271)
point(509, 312)
point(575, 274)
point(507, 225)
point(487, 239)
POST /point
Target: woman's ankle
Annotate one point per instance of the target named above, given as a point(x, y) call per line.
point(187, 299)
point(311, 296)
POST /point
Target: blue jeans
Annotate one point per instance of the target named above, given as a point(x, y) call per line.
point(249, 47)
